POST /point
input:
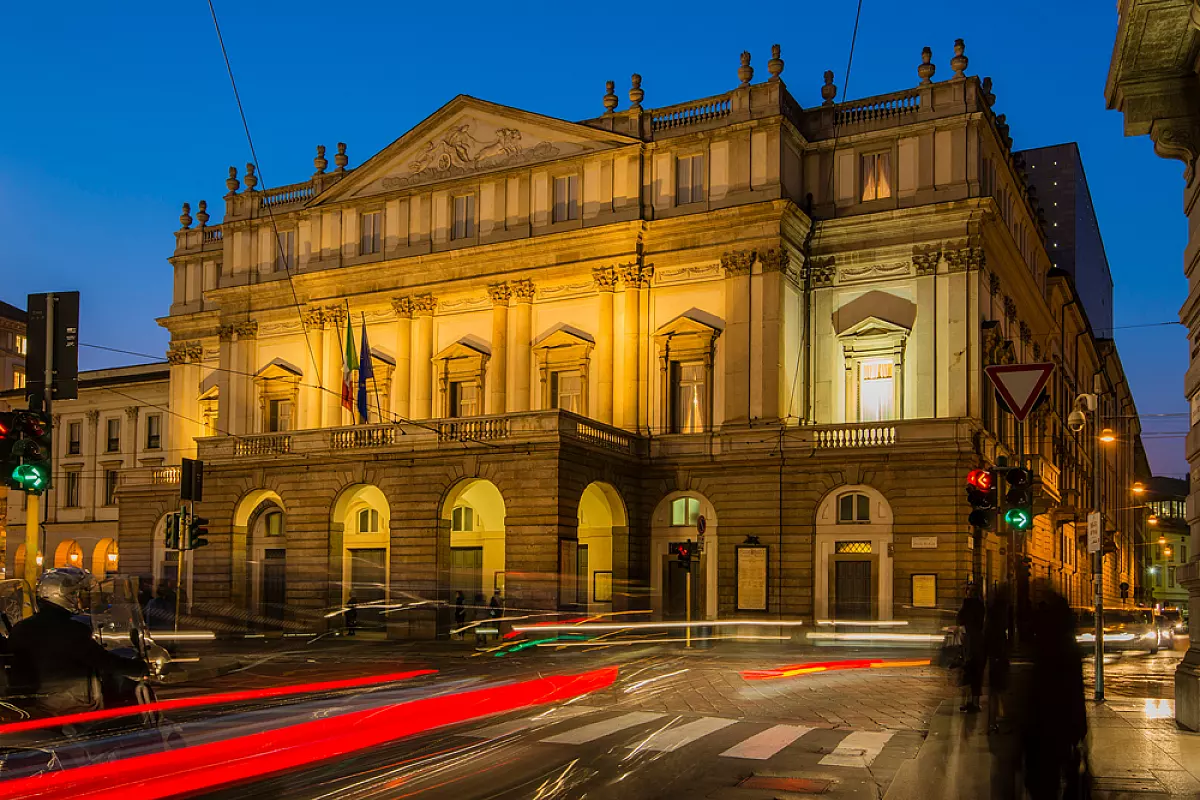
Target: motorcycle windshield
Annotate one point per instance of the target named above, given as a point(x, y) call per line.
point(115, 611)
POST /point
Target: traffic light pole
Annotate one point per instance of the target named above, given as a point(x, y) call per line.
point(33, 532)
point(688, 603)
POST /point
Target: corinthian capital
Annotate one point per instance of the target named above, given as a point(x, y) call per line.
point(403, 306)
point(605, 278)
point(424, 304)
point(523, 290)
point(635, 275)
point(738, 262)
point(500, 293)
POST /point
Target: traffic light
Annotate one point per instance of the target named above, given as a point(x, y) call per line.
point(171, 533)
point(197, 530)
point(1019, 499)
point(1109, 546)
point(981, 494)
point(25, 451)
point(684, 551)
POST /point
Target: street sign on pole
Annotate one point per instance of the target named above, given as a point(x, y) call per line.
point(1095, 532)
point(1020, 385)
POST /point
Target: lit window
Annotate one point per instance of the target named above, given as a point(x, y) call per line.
point(113, 429)
point(368, 521)
point(689, 179)
point(876, 176)
point(851, 548)
point(18, 378)
point(854, 507)
point(71, 495)
point(22, 344)
point(566, 390)
point(370, 233)
point(111, 477)
point(74, 438)
point(274, 523)
point(154, 432)
point(689, 397)
point(876, 393)
point(464, 217)
point(464, 399)
point(566, 198)
point(279, 416)
point(462, 519)
point(685, 511)
point(285, 259)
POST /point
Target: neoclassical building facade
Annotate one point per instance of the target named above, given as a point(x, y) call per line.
point(737, 319)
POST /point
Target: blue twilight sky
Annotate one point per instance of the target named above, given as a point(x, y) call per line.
point(116, 113)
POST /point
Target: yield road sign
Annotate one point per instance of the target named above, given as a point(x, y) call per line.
point(1020, 385)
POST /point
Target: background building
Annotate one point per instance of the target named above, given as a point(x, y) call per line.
point(12, 347)
point(1168, 541)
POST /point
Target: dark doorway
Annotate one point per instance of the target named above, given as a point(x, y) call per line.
point(466, 572)
point(274, 584)
point(675, 589)
point(853, 590)
point(368, 585)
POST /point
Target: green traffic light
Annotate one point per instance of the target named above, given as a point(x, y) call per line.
point(1018, 519)
point(29, 477)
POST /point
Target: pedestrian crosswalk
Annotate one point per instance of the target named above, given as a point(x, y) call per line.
point(658, 732)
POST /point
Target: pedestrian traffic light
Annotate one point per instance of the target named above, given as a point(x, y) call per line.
point(981, 494)
point(171, 531)
point(25, 451)
point(684, 551)
point(1019, 499)
point(197, 530)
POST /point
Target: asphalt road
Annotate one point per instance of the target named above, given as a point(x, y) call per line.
point(1138, 674)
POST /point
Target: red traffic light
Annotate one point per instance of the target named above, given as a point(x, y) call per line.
point(981, 479)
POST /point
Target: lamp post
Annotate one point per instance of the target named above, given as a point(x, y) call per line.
point(1091, 403)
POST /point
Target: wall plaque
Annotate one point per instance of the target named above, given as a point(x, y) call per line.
point(924, 591)
point(924, 543)
point(751, 577)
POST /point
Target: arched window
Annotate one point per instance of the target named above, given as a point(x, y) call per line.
point(273, 523)
point(368, 521)
point(854, 507)
point(463, 518)
point(685, 511)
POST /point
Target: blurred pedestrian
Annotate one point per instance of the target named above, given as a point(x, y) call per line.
point(1055, 719)
point(997, 643)
point(351, 616)
point(460, 612)
point(160, 611)
point(971, 619)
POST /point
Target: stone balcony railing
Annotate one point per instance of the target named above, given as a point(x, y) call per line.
point(149, 477)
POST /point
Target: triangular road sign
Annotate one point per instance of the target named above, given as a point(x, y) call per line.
point(1020, 385)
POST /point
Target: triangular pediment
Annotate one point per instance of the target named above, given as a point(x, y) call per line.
point(563, 335)
point(468, 136)
point(279, 369)
point(462, 349)
point(875, 326)
point(694, 322)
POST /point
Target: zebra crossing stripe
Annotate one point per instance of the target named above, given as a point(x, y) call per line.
point(859, 749)
point(766, 743)
point(597, 730)
point(512, 726)
point(671, 739)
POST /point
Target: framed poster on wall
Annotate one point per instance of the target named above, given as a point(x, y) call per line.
point(602, 587)
point(498, 582)
point(924, 591)
point(751, 577)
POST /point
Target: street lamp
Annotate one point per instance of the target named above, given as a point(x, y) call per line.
point(1162, 540)
point(1107, 436)
point(1152, 519)
point(1139, 488)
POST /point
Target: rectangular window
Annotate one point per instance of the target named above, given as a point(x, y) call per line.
point(18, 380)
point(464, 217)
point(685, 511)
point(876, 176)
point(851, 548)
point(566, 390)
point(689, 179)
point(1170, 577)
point(280, 416)
point(462, 519)
point(74, 438)
point(370, 233)
point(71, 495)
point(110, 487)
point(875, 390)
point(583, 583)
point(154, 432)
point(22, 344)
point(464, 399)
point(566, 198)
point(689, 397)
point(285, 257)
point(113, 428)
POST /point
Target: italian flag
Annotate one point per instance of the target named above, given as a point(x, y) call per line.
point(349, 364)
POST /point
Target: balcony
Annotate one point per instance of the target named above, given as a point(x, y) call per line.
point(1049, 475)
point(150, 477)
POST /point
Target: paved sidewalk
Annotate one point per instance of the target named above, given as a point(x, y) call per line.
point(1135, 751)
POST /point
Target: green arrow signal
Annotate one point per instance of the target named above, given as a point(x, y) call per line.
point(29, 477)
point(1018, 519)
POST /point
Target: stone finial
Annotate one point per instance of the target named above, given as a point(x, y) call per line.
point(745, 71)
point(231, 183)
point(775, 65)
point(185, 219)
point(320, 162)
point(927, 67)
point(341, 159)
point(959, 62)
point(251, 178)
point(202, 214)
point(635, 92)
point(828, 91)
point(988, 95)
point(610, 97)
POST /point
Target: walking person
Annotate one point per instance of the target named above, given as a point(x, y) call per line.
point(460, 613)
point(971, 619)
point(476, 611)
point(351, 616)
point(997, 639)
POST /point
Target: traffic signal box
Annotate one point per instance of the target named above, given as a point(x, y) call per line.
point(26, 445)
point(1019, 499)
point(684, 551)
point(171, 534)
point(981, 494)
point(197, 530)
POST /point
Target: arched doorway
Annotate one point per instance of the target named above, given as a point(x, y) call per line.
point(68, 554)
point(363, 516)
point(475, 512)
point(105, 558)
point(250, 556)
point(166, 562)
point(852, 570)
point(601, 518)
point(677, 519)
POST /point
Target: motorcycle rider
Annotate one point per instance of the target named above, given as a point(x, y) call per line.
point(57, 667)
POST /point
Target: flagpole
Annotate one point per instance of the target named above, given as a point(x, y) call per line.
point(378, 405)
point(347, 345)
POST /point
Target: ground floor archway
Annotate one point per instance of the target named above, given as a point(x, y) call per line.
point(602, 518)
point(474, 512)
point(853, 569)
point(677, 518)
point(360, 542)
point(106, 558)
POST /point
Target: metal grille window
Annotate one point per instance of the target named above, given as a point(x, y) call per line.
point(852, 548)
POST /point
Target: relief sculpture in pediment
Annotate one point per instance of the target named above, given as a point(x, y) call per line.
point(458, 152)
